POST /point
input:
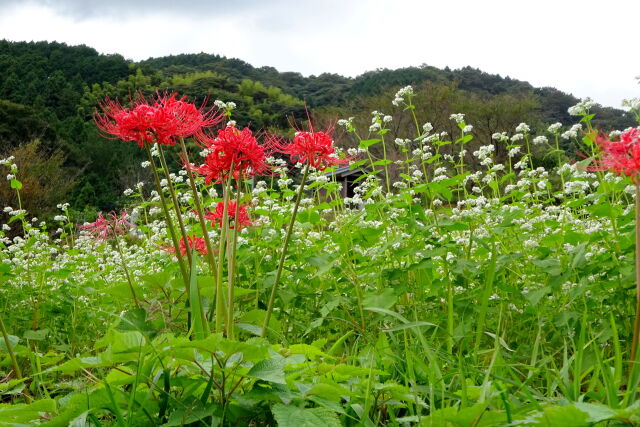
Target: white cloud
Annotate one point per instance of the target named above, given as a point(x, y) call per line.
point(581, 47)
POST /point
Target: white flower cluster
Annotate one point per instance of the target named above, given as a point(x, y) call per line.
point(459, 117)
point(523, 128)
point(538, 140)
point(403, 93)
point(554, 128)
point(224, 105)
point(581, 108)
point(484, 151)
point(572, 132)
point(7, 161)
point(633, 103)
point(500, 136)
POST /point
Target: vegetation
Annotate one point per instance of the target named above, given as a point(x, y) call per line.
point(463, 283)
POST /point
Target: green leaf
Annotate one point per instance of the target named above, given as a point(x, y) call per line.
point(382, 163)
point(292, 416)
point(13, 340)
point(408, 326)
point(309, 351)
point(197, 315)
point(596, 412)
point(369, 142)
point(384, 300)
point(22, 413)
point(271, 370)
point(38, 335)
point(16, 185)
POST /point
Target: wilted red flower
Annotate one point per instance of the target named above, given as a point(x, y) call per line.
point(195, 243)
point(103, 228)
point(163, 120)
point(313, 148)
point(233, 153)
point(216, 216)
point(623, 156)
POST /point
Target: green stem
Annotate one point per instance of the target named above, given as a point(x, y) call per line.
point(126, 270)
point(232, 264)
point(284, 251)
point(636, 325)
point(176, 206)
point(12, 356)
point(200, 212)
point(221, 309)
point(386, 166)
point(172, 232)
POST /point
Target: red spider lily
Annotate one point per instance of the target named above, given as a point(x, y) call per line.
point(195, 243)
point(233, 153)
point(176, 118)
point(127, 124)
point(621, 157)
point(103, 228)
point(163, 120)
point(216, 217)
point(313, 148)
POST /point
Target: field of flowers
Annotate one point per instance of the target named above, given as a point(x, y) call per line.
point(457, 285)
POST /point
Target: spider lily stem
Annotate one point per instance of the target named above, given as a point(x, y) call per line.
point(283, 255)
point(200, 211)
point(168, 220)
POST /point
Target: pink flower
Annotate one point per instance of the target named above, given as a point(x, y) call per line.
point(103, 228)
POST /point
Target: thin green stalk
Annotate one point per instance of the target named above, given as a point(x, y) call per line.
point(284, 251)
point(12, 356)
point(559, 161)
point(199, 210)
point(126, 271)
point(486, 294)
point(176, 205)
point(221, 309)
point(232, 264)
point(636, 324)
point(172, 232)
point(449, 315)
point(386, 166)
point(529, 151)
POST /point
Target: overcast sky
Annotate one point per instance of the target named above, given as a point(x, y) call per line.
point(588, 48)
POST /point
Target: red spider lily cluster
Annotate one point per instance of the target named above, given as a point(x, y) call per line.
point(313, 148)
point(233, 153)
point(621, 157)
point(193, 242)
point(216, 216)
point(104, 228)
point(163, 120)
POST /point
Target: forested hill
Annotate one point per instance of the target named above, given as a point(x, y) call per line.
point(49, 91)
point(329, 89)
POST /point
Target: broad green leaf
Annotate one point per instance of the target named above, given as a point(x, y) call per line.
point(271, 370)
point(369, 142)
point(23, 413)
point(292, 416)
point(38, 335)
point(16, 185)
point(385, 300)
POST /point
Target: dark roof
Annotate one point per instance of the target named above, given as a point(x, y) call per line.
point(345, 171)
